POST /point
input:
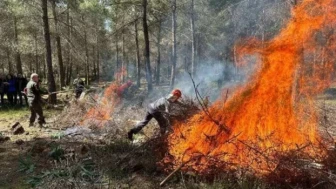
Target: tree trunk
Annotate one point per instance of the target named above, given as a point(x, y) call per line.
point(51, 80)
point(94, 62)
point(70, 71)
point(45, 66)
point(123, 60)
point(87, 68)
point(158, 63)
point(147, 48)
point(10, 68)
point(87, 71)
point(138, 64)
point(31, 63)
point(98, 64)
point(98, 56)
point(170, 57)
point(17, 51)
point(117, 56)
point(193, 44)
point(68, 59)
point(59, 46)
point(37, 66)
point(173, 72)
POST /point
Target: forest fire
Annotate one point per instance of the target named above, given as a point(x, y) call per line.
point(274, 113)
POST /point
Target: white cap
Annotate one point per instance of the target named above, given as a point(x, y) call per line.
point(33, 75)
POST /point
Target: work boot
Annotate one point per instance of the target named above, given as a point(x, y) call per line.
point(130, 135)
point(40, 125)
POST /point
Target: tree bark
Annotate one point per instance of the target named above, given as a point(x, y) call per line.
point(87, 68)
point(173, 72)
point(9, 62)
point(51, 80)
point(94, 61)
point(98, 56)
point(68, 59)
point(37, 66)
point(123, 60)
point(117, 56)
point(30, 63)
point(193, 44)
point(59, 46)
point(147, 48)
point(45, 66)
point(17, 51)
point(138, 64)
point(158, 63)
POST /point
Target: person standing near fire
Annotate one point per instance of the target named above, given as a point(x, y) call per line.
point(34, 100)
point(79, 86)
point(157, 110)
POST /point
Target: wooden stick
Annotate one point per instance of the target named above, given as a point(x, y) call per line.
point(172, 173)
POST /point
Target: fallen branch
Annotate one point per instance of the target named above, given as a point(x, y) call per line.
point(172, 173)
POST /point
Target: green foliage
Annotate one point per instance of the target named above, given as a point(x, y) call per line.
point(26, 164)
point(57, 135)
point(56, 153)
point(83, 170)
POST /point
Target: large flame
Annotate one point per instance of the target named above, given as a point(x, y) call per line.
point(104, 106)
point(272, 114)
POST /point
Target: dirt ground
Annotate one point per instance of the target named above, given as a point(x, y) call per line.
point(11, 151)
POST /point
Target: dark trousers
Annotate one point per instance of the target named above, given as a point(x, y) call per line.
point(36, 109)
point(12, 97)
point(26, 98)
point(158, 116)
point(20, 97)
point(2, 98)
point(78, 94)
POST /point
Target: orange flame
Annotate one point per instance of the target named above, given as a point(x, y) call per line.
point(272, 114)
point(101, 113)
point(104, 107)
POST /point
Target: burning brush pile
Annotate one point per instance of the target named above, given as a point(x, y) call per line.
point(103, 107)
point(96, 108)
point(269, 126)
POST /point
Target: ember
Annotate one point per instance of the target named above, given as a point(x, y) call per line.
point(272, 114)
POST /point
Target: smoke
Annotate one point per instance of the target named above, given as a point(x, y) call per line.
point(261, 19)
point(212, 77)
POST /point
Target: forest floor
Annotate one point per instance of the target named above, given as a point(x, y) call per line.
point(12, 152)
point(48, 158)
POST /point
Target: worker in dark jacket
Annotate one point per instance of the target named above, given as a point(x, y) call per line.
point(157, 110)
point(2, 89)
point(21, 83)
point(34, 101)
point(12, 92)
